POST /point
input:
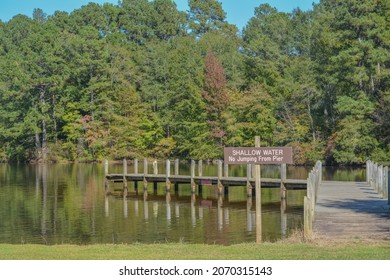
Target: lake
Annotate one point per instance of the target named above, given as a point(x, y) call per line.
point(67, 204)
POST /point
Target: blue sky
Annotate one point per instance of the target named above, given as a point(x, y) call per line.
point(238, 11)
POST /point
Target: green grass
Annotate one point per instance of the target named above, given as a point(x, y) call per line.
point(346, 250)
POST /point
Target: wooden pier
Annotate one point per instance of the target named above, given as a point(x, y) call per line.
point(331, 209)
point(222, 180)
point(350, 209)
point(354, 209)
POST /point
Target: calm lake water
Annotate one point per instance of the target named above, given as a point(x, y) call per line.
point(67, 204)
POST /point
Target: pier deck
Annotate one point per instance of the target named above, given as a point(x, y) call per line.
point(351, 210)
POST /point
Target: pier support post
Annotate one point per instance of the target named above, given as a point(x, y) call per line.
point(375, 176)
point(388, 185)
point(193, 176)
point(283, 218)
point(200, 174)
point(176, 167)
point(225, 174)
point(145, 174)
point(283, 177)
point(220, 186)
point(168, 174)
point(155, 172)
point(155, 168)
point(105, 167)
point(136, 172)
point(225, 170)
point(368, 171)
point(135, 166)
point(124, 177)
point(380, 180)
point(307, 221)
point(106, 182)
point(258, 197)
point(124, 167)
point(176, 170)
point(386, 182)
point(248, 177)
point(200, 168)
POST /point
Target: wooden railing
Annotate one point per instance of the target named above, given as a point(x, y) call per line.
point(378, 178)
point(313, 182)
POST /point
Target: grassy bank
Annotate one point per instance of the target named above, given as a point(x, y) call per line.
point(345, 250)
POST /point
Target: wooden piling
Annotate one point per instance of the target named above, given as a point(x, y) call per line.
point(219, 185)
point(155, 172)
point(193, 186)
point(283, 177)
point(200, 168)
point(124, 175)
point(380, 179)
point(368, 171)
point(135, 166)
point(145, 167)
point(248, 178)
point(225, 170)
point(176, 167)
point(388, 185)
point(145, 174)
point(313, 182)
point(374, 174)
point(136, 172)
point(105, 167)
point(200, 174)
point(258, 197)
point(106, 182)
point(155, 168)
point(167, 174)
point(307, 223)
point(124, 167)
point(176, 171)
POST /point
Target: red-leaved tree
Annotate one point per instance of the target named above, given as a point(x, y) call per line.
point(215, 96)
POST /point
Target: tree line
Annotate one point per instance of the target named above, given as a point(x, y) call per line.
point(143, 79)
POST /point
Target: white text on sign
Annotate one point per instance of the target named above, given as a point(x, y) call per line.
point(262, 155)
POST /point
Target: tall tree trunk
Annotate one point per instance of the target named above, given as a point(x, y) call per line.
point(54, 118)
point(44, 140)
point(92, 96)
point(38, 146)
point(44, 132)
point(311, 119)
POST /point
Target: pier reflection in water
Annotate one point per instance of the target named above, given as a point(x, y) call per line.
point(67, 204)
point(206, 218)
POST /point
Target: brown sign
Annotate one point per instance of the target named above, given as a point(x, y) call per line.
point(261, 155)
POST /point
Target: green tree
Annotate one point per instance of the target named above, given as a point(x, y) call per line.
point(266, 44)
point(205, 16)
point(168, 22)
point(352, 58)
point(136, 20)
point(250, 113)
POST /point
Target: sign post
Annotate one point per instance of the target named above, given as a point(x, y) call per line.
point(255, 156)
point(258, 196)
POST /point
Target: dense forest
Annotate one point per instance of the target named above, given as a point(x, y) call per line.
point(143, 79)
